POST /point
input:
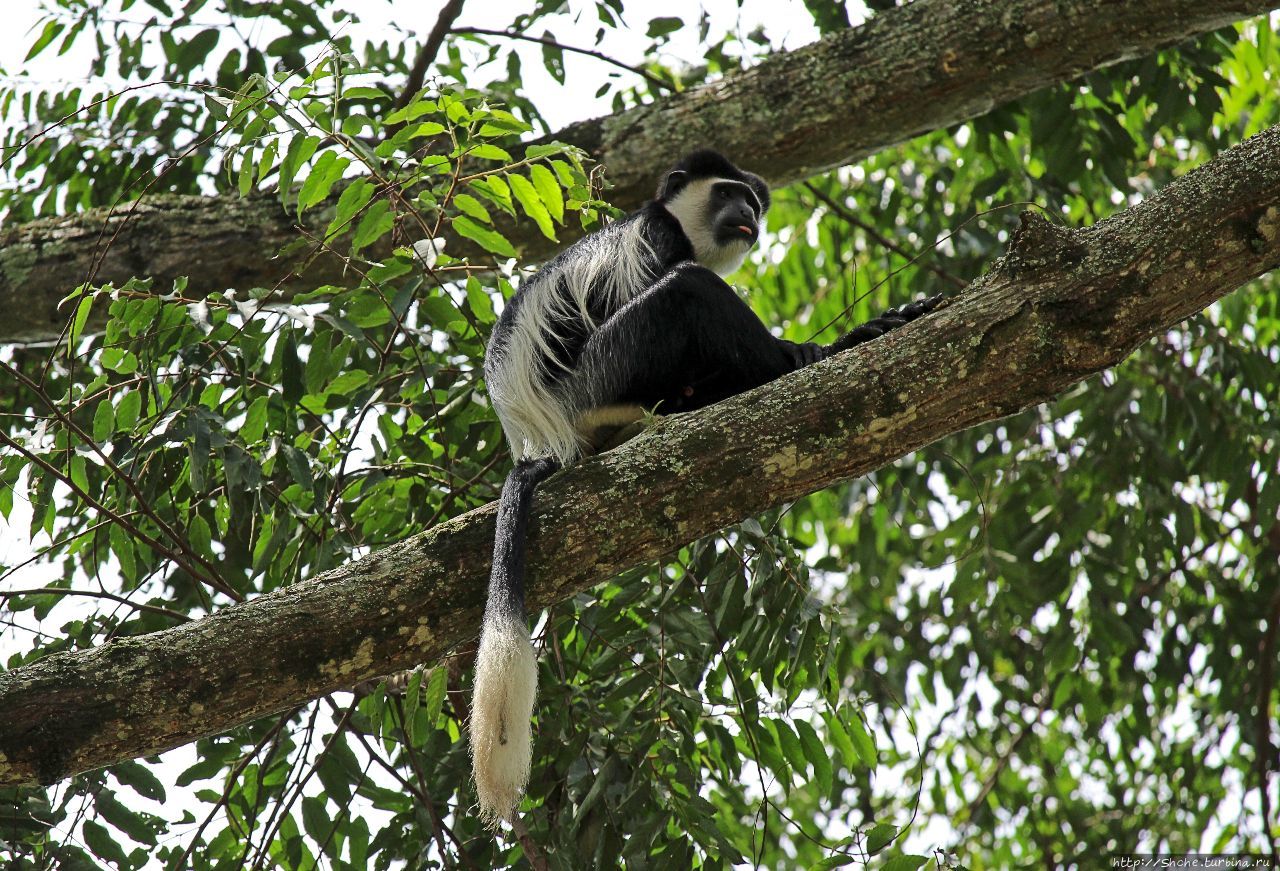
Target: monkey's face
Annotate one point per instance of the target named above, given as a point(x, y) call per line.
point(734, 213)
point(720, 217)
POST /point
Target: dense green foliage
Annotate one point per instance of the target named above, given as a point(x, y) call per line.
point(1032, 643)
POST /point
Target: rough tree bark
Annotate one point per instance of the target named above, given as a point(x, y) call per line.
point(1061, 305)
point(921, 67)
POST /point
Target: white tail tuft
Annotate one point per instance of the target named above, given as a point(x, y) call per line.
point(501, 710)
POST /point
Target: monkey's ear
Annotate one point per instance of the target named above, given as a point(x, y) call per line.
point(674, 184)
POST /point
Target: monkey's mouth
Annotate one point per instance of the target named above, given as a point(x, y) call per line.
point(736, 232)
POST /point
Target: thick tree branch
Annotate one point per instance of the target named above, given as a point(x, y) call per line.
point(918, 68)
point(1060, 306)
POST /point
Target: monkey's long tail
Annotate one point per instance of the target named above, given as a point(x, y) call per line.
point(506, 668)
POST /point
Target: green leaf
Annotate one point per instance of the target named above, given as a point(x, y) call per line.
point(862, 741)
point(81, 316)
point(245, 177)
point(255, 421)
point(829, 15)
point(426, 128)
point(478, 300)
point(358, 842)
point(549, 191)
point(664, 26)
point(553, 59)
point(315, 819)
point(79, 473)
point(52, 28)
point(103, 845)
point(412, 698)
point(348, 382)
point(440, 312)
point(377, 222)
point(195, 49)
point(905, 863)
point(880, 837)
point(413, 111)
point(548, 149)
point(364, 92)
point(433, 701)
point(354, 198)
point(790, 745)
point(132, 823)
point(199, 537)
point(299, 468)
point(139, 778)
point(489, 151)
point(299, 152)
point(104, 420)
point(119, 360)
point(488, 239)
point(502, 123)
point(816, 752)
point(469, 205)
point(529, 200)
point(290, 369)
point(122, 548)
point(128, 410)
point(324, 175)
point(267, 162)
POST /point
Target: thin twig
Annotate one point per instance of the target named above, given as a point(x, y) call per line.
point(532, 851)
point(880, 239)
point(59, 591)
point(1264, 750)
point(599, 55)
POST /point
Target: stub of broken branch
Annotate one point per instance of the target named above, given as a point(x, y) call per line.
point(1038, 244)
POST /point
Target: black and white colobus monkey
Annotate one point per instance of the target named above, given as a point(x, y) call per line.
point(634, 317)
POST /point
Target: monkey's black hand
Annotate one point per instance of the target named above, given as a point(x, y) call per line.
point(876, 327)
point(805, 353)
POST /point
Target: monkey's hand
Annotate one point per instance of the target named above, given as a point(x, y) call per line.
point(804, 353)
point(876, 327)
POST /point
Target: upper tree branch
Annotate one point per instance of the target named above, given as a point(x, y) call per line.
point(1060, 306)
point(927, 65)
point(428, 52)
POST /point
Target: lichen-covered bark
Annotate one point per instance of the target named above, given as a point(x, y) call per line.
point(1060, 306)
point(918, 68)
